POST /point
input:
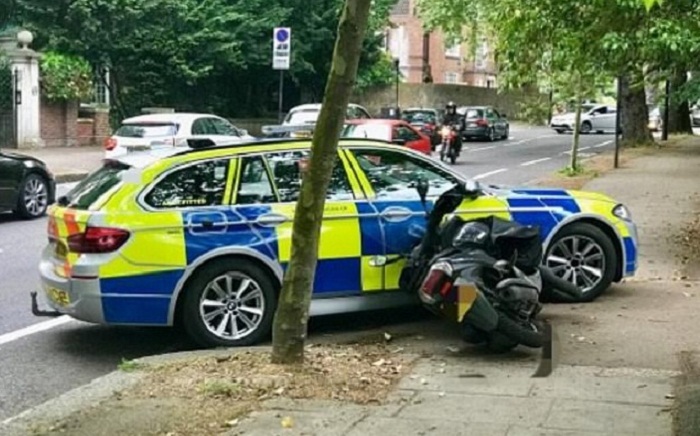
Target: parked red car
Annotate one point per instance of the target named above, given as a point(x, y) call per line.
point(396, 131)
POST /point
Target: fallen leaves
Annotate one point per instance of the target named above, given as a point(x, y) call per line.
point(239, 382)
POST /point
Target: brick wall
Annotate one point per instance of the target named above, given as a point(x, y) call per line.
point(437, 95)
point(58, 123)
point(66, 125)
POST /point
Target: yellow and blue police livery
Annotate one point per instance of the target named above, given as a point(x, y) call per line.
point(203, 237)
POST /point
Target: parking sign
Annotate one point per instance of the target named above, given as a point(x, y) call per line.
point(281, 48)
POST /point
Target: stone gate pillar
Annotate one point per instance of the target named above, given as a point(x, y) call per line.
point(24, 63)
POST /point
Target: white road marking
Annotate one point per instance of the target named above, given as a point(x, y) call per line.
point(32, 329)
point(602, 144)
point(490, 173)
point(533, 162)
point(481, 148)
point(522, 141)
point(583, 148)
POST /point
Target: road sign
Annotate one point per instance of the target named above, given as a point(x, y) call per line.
point(281, 48)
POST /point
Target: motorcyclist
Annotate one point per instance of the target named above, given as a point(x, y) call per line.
point(452, 118)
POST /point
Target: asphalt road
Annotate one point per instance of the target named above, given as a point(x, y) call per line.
point(42, 358)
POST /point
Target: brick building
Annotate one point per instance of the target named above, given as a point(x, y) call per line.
point(420, 53)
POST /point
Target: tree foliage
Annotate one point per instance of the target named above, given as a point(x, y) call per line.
point(557, 42)
point(65, 78)
point(209, 55)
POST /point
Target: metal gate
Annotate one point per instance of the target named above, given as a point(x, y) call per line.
point(8, 107)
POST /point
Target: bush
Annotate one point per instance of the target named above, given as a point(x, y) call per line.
point(65, 78)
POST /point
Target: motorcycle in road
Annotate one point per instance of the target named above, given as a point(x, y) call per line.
point(448, 143)
point(485, 274)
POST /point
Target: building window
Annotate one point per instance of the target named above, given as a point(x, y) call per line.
point(455, 51)
point(451, 77)
point(482, 53)
point(101, 90)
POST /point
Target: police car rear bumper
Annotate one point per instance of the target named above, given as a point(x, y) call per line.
point(78, 298)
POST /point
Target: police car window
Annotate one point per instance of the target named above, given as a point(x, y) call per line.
point(254, 185)
point(202, 185)
point(393, 175)
point(288, 169)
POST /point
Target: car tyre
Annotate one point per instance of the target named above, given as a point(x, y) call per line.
point(590, 250)
point(33, 197)
point(559, 131)
point(586, 127)
point(506, 134)
point(491, 134)
point(246, 289)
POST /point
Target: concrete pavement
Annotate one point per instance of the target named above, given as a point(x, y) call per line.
point(69, 164)
point(452, 397)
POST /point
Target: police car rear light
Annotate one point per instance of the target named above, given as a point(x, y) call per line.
point(97, 240)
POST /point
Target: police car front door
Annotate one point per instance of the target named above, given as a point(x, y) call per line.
point(389, 178)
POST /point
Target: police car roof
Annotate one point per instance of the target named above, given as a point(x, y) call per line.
point(142, 159)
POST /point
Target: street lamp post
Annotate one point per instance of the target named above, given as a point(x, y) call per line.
point(398, 77)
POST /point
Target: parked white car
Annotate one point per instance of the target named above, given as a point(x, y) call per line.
point(308, 114)
point(170, 130)
point(599, 119)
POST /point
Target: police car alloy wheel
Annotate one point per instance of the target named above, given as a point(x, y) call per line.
point(230, 302)
point(583, 255)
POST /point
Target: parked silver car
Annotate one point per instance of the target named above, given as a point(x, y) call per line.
point(598, 118)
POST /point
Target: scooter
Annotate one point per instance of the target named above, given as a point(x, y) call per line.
point(485, 275)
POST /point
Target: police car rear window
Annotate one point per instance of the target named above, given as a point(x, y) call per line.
point(146, 130)
point(93, 187)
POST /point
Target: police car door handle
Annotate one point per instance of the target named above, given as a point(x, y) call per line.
point(396, 213)
point(272, 219)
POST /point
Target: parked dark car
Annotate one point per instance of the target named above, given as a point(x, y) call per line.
point(426, 120)
point(484, 122)
point(27, 187)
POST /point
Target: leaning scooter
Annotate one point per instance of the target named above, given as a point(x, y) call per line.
point(485, 274)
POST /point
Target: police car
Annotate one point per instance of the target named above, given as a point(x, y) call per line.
point(202, 237)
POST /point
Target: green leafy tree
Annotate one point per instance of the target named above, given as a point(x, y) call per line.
point(291, 318)
point(65, 78)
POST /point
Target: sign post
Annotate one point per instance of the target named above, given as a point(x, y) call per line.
point(281, 51)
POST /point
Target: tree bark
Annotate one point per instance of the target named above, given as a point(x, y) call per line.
point(634, 116)
point(679, 110)
point(577, 134)
point(290, 324)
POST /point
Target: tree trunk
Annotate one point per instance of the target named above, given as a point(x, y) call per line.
point(577, 135)
point(290, 325)
point(679, 110)
point(634, 116)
